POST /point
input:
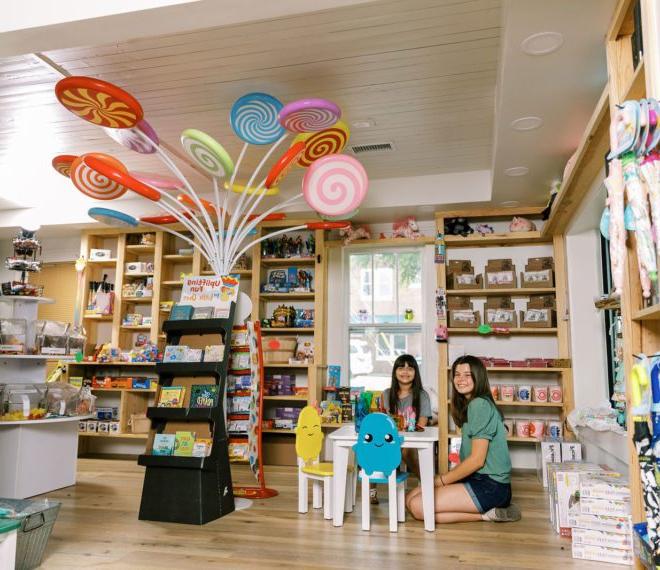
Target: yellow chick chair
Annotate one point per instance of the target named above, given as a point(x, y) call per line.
point(309, 443)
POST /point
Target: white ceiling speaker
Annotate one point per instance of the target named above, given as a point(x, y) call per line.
point(516, 171)
point(542, 43)
point(526, 123)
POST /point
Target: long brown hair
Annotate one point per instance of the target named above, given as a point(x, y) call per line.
point(400, 362)
point(459, 403)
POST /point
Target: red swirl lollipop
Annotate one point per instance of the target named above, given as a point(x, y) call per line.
point(162, 220)
point(99, 102)
point(322, 143)
point(62, 163)
point(120, 177)
point(327, 225)
point(284, 164)
point(94, 184)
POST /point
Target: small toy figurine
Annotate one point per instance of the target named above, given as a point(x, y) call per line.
point(409, 315)
point(521, 225)
point(350, 234)
point(484, 229)
point(407, 228)
point(457, 227)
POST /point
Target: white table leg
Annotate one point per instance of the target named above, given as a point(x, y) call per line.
point(340, 464)
point(303, 499)
point(317, 497)
point(391, 497)
point(428, 491)
point(366, 503)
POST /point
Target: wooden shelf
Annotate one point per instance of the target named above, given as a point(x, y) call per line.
point(140, 249)
point(115, 435)
point(98, 317)
point(526, 404)
point(112, 363)
point(523, 369)
point(267, 296)
point(136, 327)
point(123, 390)
point(287, 398)
point(651, 313)
point(241, 272)
point(137, 299)
point(637, 88)
point(511, 438)
point(515, 238)
point(138, 275)
point(385, 242)
point(513, 292)
point(172, 284)
point(177, 257)
point(282, 431)
point(102, 262)
point(294, 261)
point(512, 331)
point(276, 330)
point(285, 365)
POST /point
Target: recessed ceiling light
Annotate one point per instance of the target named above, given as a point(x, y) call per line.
point(526, 123)
point(516, 171)
point(542, 43)
point(510, 204)
point(363, 123)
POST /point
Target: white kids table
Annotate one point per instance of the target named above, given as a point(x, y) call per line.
point(342, 441)
point(8, 529)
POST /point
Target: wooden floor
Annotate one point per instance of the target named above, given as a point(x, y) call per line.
point(98, 528)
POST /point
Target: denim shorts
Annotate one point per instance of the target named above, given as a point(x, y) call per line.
point(486, 492)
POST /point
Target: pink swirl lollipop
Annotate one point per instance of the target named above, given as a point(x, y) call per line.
point(308, 115)
point(335, 185)
point(130, 139)
point(158, 180)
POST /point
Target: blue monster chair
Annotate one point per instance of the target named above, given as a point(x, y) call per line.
point(378, 453)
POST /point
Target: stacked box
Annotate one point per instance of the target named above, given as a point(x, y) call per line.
point(500, 274)
point(287, 413)
point(539, 272)
point(601, 523)
point(540, 313)
point(462, 314)
point(547, 451)
point(460, 275)
point(500, 312)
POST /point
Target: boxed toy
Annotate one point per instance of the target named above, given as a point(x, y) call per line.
point(100, 254)
point(602, 554)
point(601, 538)
point(460, 275)
point(608, 486)
point(136, 267)
point(606, 507)
point(501, 312)
point(500, 274)
point(547, 451)
point(618, 525)
point(462, 314)
point(571, 450)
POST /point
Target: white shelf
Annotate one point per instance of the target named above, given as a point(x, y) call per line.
point(14, 298)
point(67, 358)
point(46, 421)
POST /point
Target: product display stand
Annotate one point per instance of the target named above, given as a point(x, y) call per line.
point(191, 490)
point(38, 456)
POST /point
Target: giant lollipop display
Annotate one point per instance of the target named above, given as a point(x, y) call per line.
point(334, 185)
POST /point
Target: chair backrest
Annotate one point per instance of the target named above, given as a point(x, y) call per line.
point(309, 436)
point(378, 447)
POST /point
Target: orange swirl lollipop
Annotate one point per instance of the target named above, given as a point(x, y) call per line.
point(99, 102)
point(62, 163)
point(92, 183)
point(284, 164)
point(121, 177)
point(322, 143)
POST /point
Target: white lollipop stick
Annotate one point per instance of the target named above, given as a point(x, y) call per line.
point(237, 211)
point(245, 219)
point(180, 236)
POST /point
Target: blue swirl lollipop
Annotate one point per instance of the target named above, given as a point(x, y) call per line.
point(254, 118)
point(112, 217)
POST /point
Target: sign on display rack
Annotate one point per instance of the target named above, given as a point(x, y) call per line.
point(211, 291)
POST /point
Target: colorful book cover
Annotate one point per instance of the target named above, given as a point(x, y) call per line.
point(175, 353)
point(202, 313)
point(214, 353)
point(204, 396)
point(171, 397)
point(181, 312)
point(163, 444)
point(183, 443)
point(202, 447)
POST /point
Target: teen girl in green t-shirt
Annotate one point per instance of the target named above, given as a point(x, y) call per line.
point(479, 488)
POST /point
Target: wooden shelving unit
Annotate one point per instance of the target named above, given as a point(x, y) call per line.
point(529, 240)
point(280, 450)
point(648, 314)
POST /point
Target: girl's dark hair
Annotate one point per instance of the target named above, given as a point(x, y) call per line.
point(400, 362)
point(459, 403)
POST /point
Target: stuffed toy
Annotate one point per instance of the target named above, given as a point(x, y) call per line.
point(350, 233)
point(521, 225)
point(457, 227)
point(407, 228)
point(484, 229)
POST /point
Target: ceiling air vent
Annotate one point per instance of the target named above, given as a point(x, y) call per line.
point(371, 148)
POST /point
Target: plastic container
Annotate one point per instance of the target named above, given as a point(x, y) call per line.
point(51, 338)
point(37, 517)
point(13, 336)
point(139, 423)
point(23, 402)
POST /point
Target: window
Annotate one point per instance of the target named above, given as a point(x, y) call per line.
point(385, 313)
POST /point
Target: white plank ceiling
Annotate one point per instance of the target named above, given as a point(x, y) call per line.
point(423, 70)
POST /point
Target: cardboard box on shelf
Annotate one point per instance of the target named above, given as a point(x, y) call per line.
point(500, 274)
point(539, 272)
point(461, 313)
point(460, 275)
point(500, 311)
point(540, 312)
